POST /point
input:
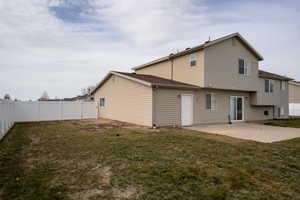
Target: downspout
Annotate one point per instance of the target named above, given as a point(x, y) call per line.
point(172, 65)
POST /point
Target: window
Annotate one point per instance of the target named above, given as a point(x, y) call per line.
point(193, 60)
point(241, 66)
point(269, 86)
point(102, 102)
point(244, 67)
point(266, 113)
point(282, 85)
point(211, 102)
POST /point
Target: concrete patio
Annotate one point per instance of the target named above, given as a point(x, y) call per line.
point(250, 131)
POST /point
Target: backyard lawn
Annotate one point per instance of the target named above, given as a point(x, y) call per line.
point(112, 160)
point(293, 123)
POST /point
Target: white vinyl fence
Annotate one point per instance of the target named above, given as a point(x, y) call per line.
point(294, 109)
point(7, 117)
point(11, 112)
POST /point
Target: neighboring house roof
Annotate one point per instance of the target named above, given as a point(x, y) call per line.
point(264, 74)
point(201, 47)
point(49, 100)
point(79, 97)
point(148, 80)
point(297, 83)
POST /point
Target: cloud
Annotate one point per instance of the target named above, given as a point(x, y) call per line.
point(152, 22)
point(63, 45)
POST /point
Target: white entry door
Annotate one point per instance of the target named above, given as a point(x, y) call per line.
point(237, 108)
point(187, 108)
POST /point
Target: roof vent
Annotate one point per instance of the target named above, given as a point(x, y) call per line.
point(188, 48)
point(208, 40)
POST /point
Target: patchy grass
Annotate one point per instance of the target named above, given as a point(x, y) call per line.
point(111, 160)
point(293, 123)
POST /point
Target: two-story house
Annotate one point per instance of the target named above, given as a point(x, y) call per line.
point(294, 98)
point(294, 92)
point(216, 82)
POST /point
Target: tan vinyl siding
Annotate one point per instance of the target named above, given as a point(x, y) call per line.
point(161, 70)
point(294, 93)
point(167, 107)
point(182, 71)
point(125, 100)
point(222, 66)
point(220, 115)
point(278, 98)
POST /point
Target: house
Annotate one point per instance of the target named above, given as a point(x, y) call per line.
point(216, 82)
point(294, 92)
point(80, 98)
point(294, 98)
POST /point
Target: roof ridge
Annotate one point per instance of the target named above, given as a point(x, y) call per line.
point(150, 75)
point(200, 47)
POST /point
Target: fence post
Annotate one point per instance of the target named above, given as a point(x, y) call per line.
point(81, 110)
point(2, 128)
point(39, 112)
point(61, 110)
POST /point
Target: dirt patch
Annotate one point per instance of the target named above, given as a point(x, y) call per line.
point(104, 172)
point(87, 194)
point(127, 193)
point(101, 125)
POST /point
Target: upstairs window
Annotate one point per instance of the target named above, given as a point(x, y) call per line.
point(193, 60)
point(282, 85)
point(269, 86)
point(244, 67)
point(211, 102)
point(102, 102)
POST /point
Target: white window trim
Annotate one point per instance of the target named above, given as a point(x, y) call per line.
point(243, 117)
point(193, 57)
point(249, 68)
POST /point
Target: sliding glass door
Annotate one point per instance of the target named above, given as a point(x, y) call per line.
point(237, 108)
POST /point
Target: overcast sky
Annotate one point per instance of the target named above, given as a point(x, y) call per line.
point(62, 46)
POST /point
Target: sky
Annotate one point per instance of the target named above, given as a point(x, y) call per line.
point(62, 46)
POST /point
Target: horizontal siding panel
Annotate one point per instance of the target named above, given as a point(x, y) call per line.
point(126, 100)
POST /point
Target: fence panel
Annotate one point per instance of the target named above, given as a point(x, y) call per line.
point(27, 111)
point(89, 110)
point(7, 118)
point(294, 109)
point(50, 111)
point(71, 110)
point(11, 112)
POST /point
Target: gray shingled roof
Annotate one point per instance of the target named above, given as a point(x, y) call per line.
point(149, 80)
point(269, 75)
point(158, 81)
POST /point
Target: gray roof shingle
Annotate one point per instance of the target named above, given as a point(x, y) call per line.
point(269, 75)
